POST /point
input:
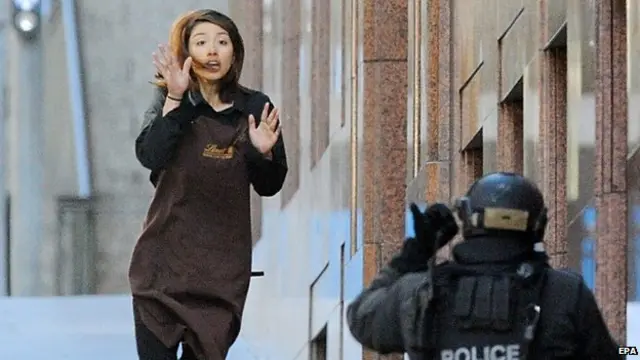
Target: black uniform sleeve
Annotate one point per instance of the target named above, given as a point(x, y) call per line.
point(159, 136)
point(267, 175)
point(594, 340)
point(376, 318)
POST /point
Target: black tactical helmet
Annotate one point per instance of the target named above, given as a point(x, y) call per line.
point(503, 204)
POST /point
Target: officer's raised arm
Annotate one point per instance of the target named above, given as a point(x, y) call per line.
point(374, 317)
point(381, 317)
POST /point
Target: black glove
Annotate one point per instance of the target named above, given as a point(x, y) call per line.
point(433, 229)
point(435, 225)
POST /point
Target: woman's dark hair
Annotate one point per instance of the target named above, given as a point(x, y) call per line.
point(179, 43)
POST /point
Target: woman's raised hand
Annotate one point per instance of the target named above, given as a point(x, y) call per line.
point(176, 77)
point(265, 135)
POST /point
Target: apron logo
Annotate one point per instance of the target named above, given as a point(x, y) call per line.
point(214, 152)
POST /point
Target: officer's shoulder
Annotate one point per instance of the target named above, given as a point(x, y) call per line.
point(564, 286)
point(565, 275)
point(407, 284)
point(416, 277)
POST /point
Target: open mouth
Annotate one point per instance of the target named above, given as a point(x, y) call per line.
point(212, 65)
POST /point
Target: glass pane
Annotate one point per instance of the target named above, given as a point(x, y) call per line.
point(581, 117)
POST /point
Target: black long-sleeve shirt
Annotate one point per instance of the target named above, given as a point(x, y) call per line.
point(160, 135)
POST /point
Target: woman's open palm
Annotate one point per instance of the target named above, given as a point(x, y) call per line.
point(176, 76)
point(264, 135)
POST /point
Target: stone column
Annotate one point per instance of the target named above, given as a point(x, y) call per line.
point(611, 164)
point(384, 151)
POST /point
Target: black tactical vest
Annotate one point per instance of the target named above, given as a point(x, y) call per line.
point(485, 312)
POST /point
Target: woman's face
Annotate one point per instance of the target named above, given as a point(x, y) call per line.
point(212, 51)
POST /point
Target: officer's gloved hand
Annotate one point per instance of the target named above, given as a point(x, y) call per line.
point(433, 229)
point(437, 223)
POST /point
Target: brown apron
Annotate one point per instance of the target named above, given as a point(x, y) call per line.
point(191, 266)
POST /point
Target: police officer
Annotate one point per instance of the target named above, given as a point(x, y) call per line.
point(497, 299)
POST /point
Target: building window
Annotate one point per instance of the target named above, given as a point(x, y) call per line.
point(588, 262)
point(76, 251)
point(408, 220)
point(588, 248)
point(635, 294)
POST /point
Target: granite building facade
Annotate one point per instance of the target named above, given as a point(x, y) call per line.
point(388, 102)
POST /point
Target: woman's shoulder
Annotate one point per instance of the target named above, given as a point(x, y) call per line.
point(254, 96)
point(254, 100)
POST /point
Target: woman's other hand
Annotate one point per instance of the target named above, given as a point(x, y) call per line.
point(176, 77)
point(264, 135)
